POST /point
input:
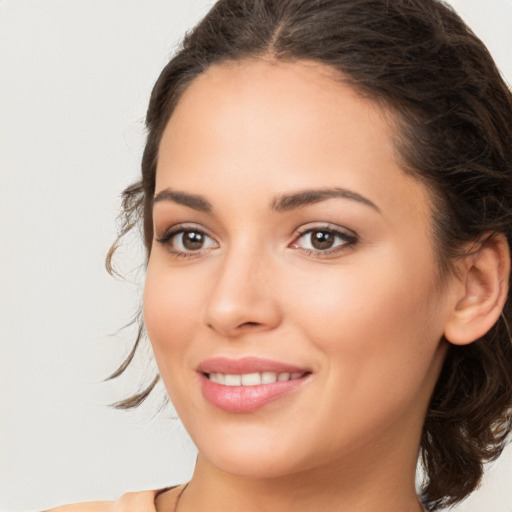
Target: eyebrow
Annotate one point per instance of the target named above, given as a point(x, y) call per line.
point(282, 203)
point(193, 201)
point(303, 198)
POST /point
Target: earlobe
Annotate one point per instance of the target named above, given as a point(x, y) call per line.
point(483, 292)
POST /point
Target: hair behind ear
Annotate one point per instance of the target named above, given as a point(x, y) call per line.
point(469, 420)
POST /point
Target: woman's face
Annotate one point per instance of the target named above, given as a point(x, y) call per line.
point(293, 255)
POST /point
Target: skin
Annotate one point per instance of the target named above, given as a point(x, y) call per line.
point(367, 320)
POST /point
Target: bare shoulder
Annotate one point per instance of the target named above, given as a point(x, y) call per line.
point(167, 499)
point(91, 506)
point(130, 502)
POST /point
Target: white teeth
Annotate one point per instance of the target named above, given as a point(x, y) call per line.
point(268, 377)
point(219, 378)
point(253, 379)
point(233, 380)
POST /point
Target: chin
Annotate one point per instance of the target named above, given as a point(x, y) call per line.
point(251, 465)
point(257, 453)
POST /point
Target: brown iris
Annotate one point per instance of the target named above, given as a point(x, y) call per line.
point(192, 240)
point(322, 239)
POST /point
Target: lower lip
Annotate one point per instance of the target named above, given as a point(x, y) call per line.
point(242, 399)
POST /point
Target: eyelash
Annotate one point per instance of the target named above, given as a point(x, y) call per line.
point(349, 239)
point(168, 235)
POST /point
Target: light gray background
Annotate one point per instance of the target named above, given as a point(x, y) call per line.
point(75, 78)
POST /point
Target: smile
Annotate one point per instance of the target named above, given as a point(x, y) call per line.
point(253, 379)
point(248, 384)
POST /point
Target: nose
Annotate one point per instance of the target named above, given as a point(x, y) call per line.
point(243, 296)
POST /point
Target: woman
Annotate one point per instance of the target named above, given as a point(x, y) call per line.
point(326, 199)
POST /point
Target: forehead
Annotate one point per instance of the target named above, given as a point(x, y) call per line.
point(260, 102)
point(289, 125)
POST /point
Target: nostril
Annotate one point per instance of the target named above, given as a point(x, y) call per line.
point(250, 324)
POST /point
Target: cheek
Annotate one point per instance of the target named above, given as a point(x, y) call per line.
point(378, 335)
point(375, 325)
point(170, 315)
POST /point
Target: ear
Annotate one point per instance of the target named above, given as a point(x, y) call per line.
point(484, 288)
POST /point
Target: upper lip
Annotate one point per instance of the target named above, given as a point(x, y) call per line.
point(246, 365)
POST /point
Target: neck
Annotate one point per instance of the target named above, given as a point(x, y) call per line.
point(364, 485)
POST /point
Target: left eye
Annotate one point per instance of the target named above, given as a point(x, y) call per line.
point(187, 241)
point(323, 240)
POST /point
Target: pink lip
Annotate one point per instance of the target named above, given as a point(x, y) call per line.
point(246, 365)
point(244, 399)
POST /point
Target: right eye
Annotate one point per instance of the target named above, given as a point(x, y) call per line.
point(186, 242)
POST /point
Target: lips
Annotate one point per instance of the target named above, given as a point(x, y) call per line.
point(246, 365)
point(248, 384)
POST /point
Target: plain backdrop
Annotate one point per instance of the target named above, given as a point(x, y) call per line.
point(75, 77)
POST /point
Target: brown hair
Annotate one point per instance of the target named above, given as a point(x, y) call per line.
point(454, 111)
